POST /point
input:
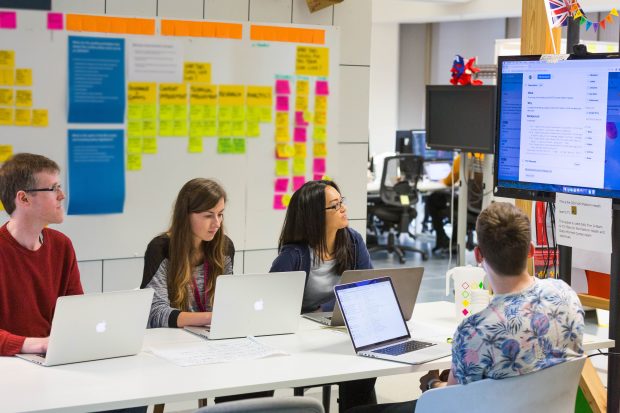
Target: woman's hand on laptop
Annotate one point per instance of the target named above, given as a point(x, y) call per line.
point(37, 345)
point(193, 319)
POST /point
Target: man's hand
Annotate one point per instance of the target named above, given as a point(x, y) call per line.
point(434, 378)
point(37, 345)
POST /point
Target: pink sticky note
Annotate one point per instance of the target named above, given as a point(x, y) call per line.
point(281, 184)
point(300, 135)
point(319, 166)
point(299, 119)
point(8, 20)
point(321, 88)
point(318, 177)
point(54, 21)
point(282, 87)
point(298, 181)
point(282, 103)
point(277, 202)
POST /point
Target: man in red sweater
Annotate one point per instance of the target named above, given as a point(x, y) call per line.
point(37, 264)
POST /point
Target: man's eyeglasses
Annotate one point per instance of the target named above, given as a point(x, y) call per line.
point(55, 188)
point(338, 205)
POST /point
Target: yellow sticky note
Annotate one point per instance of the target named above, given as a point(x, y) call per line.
point(179, 128)
point(282, 135)
point(252, 114)
point(301, 103)
point(166, 128)
point(303, 88)
point(282, 120)
point(320, 104)
point(300, 150)
point(281, 167)
point(312, 61)
point(6, 151)
point(210, 128)
point(6, 116)
point(238, 128)
point(7, 58)
point(149, 111)
point(39, 118)
point(23, 117)
point(134, 129)
point(238, 113)
point(308, 117)
point(23, 77)
point(7, 77)
point(134, 111)
point(299, 166)
point(166, 112)
point(7, 97)
point(141, 92)
point(319, 134)
point(209, 112)
point(284, 150)
point(149, 145)
point(179, 112)
point(319, 150)
point(202, 95)
point(224, 128)
point(195, 145)
point(258, 96)
point(23, 98)
point(149, 128)
point(286, 199)
point(172, 94)
point(1, 207)
point(266, 114)
point(252, 129)
point(320, 118)
point(134, 145)
point(134, 162)
point(197, 72)
point(224, 113)
point(231, 95)
point(196, 129)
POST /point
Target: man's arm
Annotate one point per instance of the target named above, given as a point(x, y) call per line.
point(11, 344)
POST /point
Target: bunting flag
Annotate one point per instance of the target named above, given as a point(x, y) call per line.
point(558, 12)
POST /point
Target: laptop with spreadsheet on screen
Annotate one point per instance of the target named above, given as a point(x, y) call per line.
point(377, 326)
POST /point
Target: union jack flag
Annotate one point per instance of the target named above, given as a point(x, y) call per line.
point(559, 11)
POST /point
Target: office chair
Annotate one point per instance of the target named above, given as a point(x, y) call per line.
point(395, 210)
point(272, 404)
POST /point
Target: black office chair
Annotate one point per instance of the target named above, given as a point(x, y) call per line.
point(395, 210)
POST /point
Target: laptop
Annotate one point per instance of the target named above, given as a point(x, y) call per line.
point(255, 305)
point(436, 171)
point(406, 282)
point(96, 326)
point(377, 326)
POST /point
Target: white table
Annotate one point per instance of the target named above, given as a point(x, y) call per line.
point(317, 355)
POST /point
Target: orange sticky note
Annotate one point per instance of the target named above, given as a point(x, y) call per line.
point(181, 28)
point(167, 28)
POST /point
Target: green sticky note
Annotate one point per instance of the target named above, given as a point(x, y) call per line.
point(238, 128)
point(149, 111)
point(210, 112)
point(180, 112)
point(180, 128)
point(266, 114)
point(238, 113)
point(252, 129)
point(225, 146)
point(239, 145)
point(166, 112)
point(224, 113)
point(224, 128)
point(134, 111)
point(299, 166)
point(319, 134)
point(134, 128)
point(210, 128)
point(196, 112)
point(195, 145)
point(149, 128)
point(252, 114)
point(134, 162)
point(281, 167)
point(166, 128)
point(149, 145)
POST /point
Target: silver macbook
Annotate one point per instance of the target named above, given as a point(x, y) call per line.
point(96, 326)
point(377, 326)
point(436, 171)
point(406, 282)
point(255, 305)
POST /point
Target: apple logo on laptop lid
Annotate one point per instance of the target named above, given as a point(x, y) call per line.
point(259, 305)
point(101, 327)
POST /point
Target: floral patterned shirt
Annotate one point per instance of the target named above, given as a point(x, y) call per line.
point(519, 333)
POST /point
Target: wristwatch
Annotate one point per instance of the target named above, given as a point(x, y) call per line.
point(431, 382)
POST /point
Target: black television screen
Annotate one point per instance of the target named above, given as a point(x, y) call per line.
point(558, 124)
point(460, 117)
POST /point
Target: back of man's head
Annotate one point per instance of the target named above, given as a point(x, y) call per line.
point(18, 174)
point(504, 238)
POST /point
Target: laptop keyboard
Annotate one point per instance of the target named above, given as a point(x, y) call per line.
point(402, 348)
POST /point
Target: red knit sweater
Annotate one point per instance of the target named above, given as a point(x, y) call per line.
point(30, 283)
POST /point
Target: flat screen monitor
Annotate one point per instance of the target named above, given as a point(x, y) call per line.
point(414, 142)
point(558, 124)
point(460, 117)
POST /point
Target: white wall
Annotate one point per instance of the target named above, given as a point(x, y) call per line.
point(413, 72)
point(354, 20)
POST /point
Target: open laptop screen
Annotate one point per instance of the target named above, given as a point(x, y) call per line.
point(371, 312)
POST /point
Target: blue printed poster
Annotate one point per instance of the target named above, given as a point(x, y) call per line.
point(96, 172)
point(96, 80)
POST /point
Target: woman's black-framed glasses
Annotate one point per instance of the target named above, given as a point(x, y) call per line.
point(338, 205)
point(54, 188)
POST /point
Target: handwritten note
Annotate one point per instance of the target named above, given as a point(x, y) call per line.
point(303, 87)
point(319, 150)
point(300, 150)
point(282, 87)
point(23, 98)
point(319, 134)
point(312, 61)
point(321, 88)
point(23, 77)
point(23, 117)
point(197, 72)
point(300, 135)
point(39, 118)
point(282, 103)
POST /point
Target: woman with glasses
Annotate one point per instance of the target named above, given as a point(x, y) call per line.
point(316, 238)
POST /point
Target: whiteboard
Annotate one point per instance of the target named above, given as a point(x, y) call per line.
point(250, 219)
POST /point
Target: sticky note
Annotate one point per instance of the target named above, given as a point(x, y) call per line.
point(149, 111)
point(320, 118)
point(252, 129)
point(319, 150)
point(195, 144)
point(277, 202)
point(252, 114)
point(320, 103)
point(300, 119)
point(281, 168)
point(238, 113)
point(282, 135)
point(312, 61)
point(179, 128)
point(258, 96)
point(166, 112)
point(225, 146)
point(23, 77)
point(300, 150)
point(196, 112)
point(134, 111)
point(210, 112)
point(134, 145)
point(179, 112)
point(7, 77)
point(282, 120)
point(224, 113)
point(318, 177)
point(298, 181)
point(266, 114)
point(6, 116)
point(318, 166)
point(284, 151)
point(149, 128)
point(7, 58)
point(238, 145)
point(7, 97)
point(303, 88)
point(8, 20)
point(319, 134)
point(54, 21)
point(210, 128)
point(202, 94)
point(197, 72)
point(39, 118)
point(142, 92)
point(224, 128)
point(282, 87)
point(166, 128)
point(286, 199)
point(149, 145)
point(237, 128)
point(282, 103)
point(281, 185)
point(299, 166)
point(231, 95)
point(321, 88)
point(134, 128)
point(23, 117)
point(300, 135)
point(6, 151)
point(134, 162)
point(301, 103)
point(172, 94)
point(23, 98)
